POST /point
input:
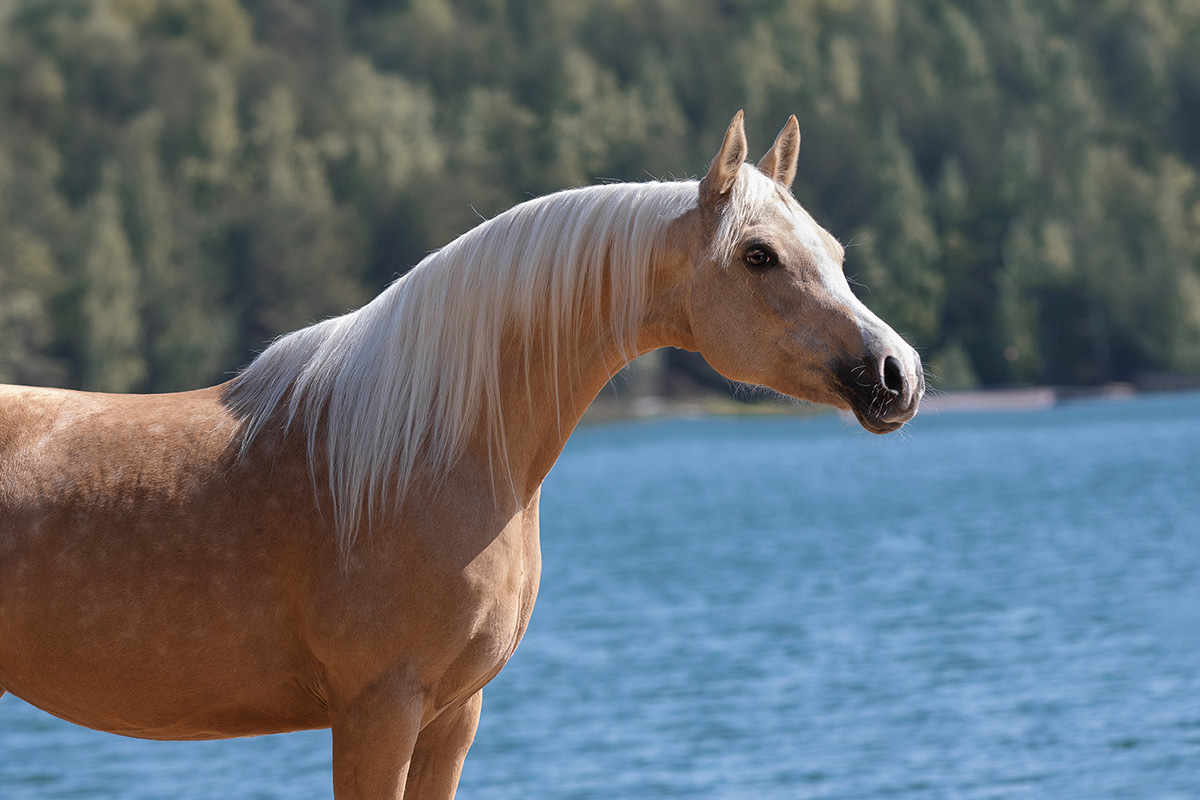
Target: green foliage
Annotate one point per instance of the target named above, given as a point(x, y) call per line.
point(27, 277)
point(110, 306)
point(901, 255)
point(182, 180)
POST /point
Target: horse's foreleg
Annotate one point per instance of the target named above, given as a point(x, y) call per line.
point(373, 739)
point(437, 761)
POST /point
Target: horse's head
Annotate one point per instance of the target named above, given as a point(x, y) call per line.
point(767, 302)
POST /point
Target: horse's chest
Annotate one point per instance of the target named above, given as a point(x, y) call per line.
point(508, 587)
point(487, 616)
point(446, 598)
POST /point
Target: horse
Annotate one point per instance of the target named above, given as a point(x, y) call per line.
point(345, 535)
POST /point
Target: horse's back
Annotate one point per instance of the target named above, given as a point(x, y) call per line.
point(27, 416)
point(66, 447)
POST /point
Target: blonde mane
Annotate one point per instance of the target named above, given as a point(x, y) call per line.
point(413, 371)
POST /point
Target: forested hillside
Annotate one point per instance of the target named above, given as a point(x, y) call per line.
point(182, 180)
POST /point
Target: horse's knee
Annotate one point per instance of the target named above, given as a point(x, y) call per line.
point(440, 751)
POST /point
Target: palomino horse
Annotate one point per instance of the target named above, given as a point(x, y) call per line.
point(346, 534)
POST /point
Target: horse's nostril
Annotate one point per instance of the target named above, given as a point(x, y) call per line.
point(893, 376)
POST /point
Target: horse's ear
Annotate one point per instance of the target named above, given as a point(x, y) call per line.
point(725, 166)
point(780, 161)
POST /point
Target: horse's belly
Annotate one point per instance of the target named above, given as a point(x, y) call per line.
point(246, 709)
point(118, 636)
point(199, 686)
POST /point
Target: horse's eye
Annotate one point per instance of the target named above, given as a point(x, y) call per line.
point(759, 257)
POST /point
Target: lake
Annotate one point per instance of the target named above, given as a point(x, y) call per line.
point(1001, 605)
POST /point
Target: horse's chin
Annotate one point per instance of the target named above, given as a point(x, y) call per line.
point(866, 413)
point(870, 416)
point(875, 424)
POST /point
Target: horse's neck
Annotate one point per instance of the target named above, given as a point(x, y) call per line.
point(542, 402)
point(543, 399)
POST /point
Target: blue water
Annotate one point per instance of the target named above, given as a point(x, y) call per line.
point(986, 606)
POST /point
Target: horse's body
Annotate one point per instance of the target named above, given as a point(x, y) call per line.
point(346, 534)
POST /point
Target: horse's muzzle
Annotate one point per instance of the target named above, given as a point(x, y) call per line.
point(883, 389)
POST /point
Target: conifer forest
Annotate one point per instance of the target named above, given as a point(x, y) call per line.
point(1016, 181)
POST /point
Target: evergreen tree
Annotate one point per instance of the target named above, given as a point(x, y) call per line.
point(900, 254)
point(28, 279)
point(110, 306)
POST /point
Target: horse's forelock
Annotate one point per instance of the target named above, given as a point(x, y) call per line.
point(752, 191)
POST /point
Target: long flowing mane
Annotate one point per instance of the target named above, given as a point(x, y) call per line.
point(412, 372)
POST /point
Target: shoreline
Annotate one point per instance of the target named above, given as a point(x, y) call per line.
point(999, 400)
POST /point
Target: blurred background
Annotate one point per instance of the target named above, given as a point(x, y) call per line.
point(181, 181)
